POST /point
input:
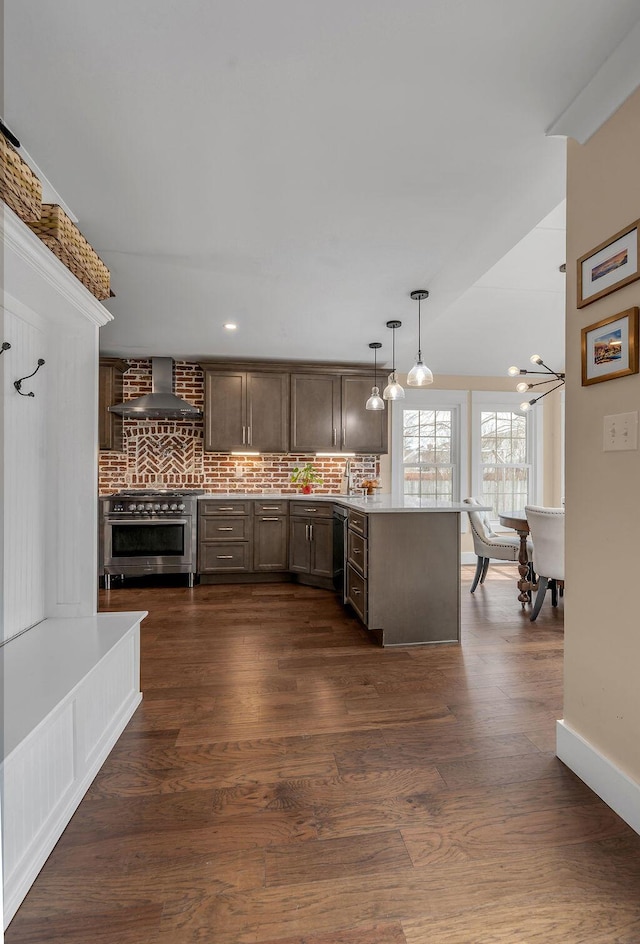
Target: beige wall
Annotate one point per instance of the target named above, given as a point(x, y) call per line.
point(602, 625)
point(552, 433)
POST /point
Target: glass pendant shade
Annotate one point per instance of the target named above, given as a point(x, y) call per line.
point(419, 375)
point(375, 401)
point(393, 390)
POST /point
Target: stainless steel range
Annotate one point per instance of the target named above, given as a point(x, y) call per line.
point(148, 532)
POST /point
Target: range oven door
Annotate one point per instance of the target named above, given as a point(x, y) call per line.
point(148, 545)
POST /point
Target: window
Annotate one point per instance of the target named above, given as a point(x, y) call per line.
point(505, 452)
point(426, 445)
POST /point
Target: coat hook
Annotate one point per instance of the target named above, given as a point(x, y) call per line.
point(18, 383)
point(5, 347)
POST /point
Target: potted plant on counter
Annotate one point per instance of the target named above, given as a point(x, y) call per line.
point(306, 476)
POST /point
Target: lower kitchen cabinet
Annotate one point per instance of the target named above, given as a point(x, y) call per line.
point(271, 537)
point(224, 537)
point(311, 542)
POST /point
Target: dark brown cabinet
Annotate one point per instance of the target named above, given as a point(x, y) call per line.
point(311, 541)
point(271, 536)
point(363, 431)
point(224, 537)
point(328, 414)
point(246, 410)
point(315, 412)
point(110, 392)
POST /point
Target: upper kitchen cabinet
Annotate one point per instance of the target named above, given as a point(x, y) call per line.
point(363, 431)
point(110, 392)
point(315, 412)
point(245, 410)
point(328, 414)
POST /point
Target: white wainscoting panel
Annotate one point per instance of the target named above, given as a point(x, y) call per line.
point(72, 686)
point(23, 521)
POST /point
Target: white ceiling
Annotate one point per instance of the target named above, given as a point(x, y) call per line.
point(299, 166)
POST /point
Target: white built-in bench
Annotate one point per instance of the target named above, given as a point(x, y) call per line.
point(70, 687)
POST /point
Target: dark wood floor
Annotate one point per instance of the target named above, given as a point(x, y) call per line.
point(287, 782)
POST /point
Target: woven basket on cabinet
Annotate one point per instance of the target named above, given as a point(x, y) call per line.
point(64, 239)
point(20, 189)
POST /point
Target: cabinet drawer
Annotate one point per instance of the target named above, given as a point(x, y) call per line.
point(358, 522)
point(222, 558)
point(357, 592)
point(218, 528)
point(312, 509)
point(267, 507)
point(357, 551)
point(208, 507)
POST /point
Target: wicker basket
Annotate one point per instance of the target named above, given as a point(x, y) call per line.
point(67, 242)
point(19, 187)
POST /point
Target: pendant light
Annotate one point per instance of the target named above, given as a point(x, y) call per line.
point(393, 390)
point(375, 401)
point(419, 375)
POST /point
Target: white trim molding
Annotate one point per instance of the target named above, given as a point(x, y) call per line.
point(616, 79)
point(606, 780)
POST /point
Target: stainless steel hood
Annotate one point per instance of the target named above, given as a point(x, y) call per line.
point(161, 403)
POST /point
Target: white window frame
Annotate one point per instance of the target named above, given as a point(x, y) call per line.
point(500, 401)
point(454, 400)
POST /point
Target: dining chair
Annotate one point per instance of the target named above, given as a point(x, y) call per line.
point(487, 544)
point(547, 531)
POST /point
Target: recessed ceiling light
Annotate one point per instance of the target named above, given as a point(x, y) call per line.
point(230, 326)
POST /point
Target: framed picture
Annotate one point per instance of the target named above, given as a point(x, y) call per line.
point(609, 266)
point(610, 348)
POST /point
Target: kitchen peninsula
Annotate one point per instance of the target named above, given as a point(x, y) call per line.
point(401, 557)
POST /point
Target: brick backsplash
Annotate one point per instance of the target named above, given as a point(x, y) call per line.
point(170, 454)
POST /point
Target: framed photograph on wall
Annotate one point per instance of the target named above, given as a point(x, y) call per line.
point(609, 266)
point(610, 348)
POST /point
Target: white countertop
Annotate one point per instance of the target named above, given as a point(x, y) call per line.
point(371, 504)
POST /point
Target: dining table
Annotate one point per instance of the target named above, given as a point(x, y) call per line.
point(517, 521)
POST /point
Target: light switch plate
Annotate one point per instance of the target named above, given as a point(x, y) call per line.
point(620, 432)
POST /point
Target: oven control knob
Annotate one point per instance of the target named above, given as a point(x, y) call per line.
point(148, 507)
point(140, 507)
point(173, 507)
point(156, 507)
point(164, 507)
point(133, 507)
point(181, 507)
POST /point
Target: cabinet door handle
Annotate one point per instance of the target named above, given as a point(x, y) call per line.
point(335, 436)
point(355, 550)
point(226, 508)
point(271, 519)
point(249, 435)
point(311, 511)
point(225, 556)
point(311, 532)
point(355, 591)
point(225, 529)
point(270, 508)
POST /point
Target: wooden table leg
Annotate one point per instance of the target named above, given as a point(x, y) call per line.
point(524, 585)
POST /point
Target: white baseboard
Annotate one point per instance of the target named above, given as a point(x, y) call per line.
point(606, 780)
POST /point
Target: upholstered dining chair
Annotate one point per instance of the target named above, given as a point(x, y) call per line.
point(547, 532)
point(487, 544)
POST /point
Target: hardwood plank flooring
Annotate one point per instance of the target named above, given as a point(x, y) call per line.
point(286, 781)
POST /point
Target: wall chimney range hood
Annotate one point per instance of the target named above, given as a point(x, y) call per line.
point(161, 403)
